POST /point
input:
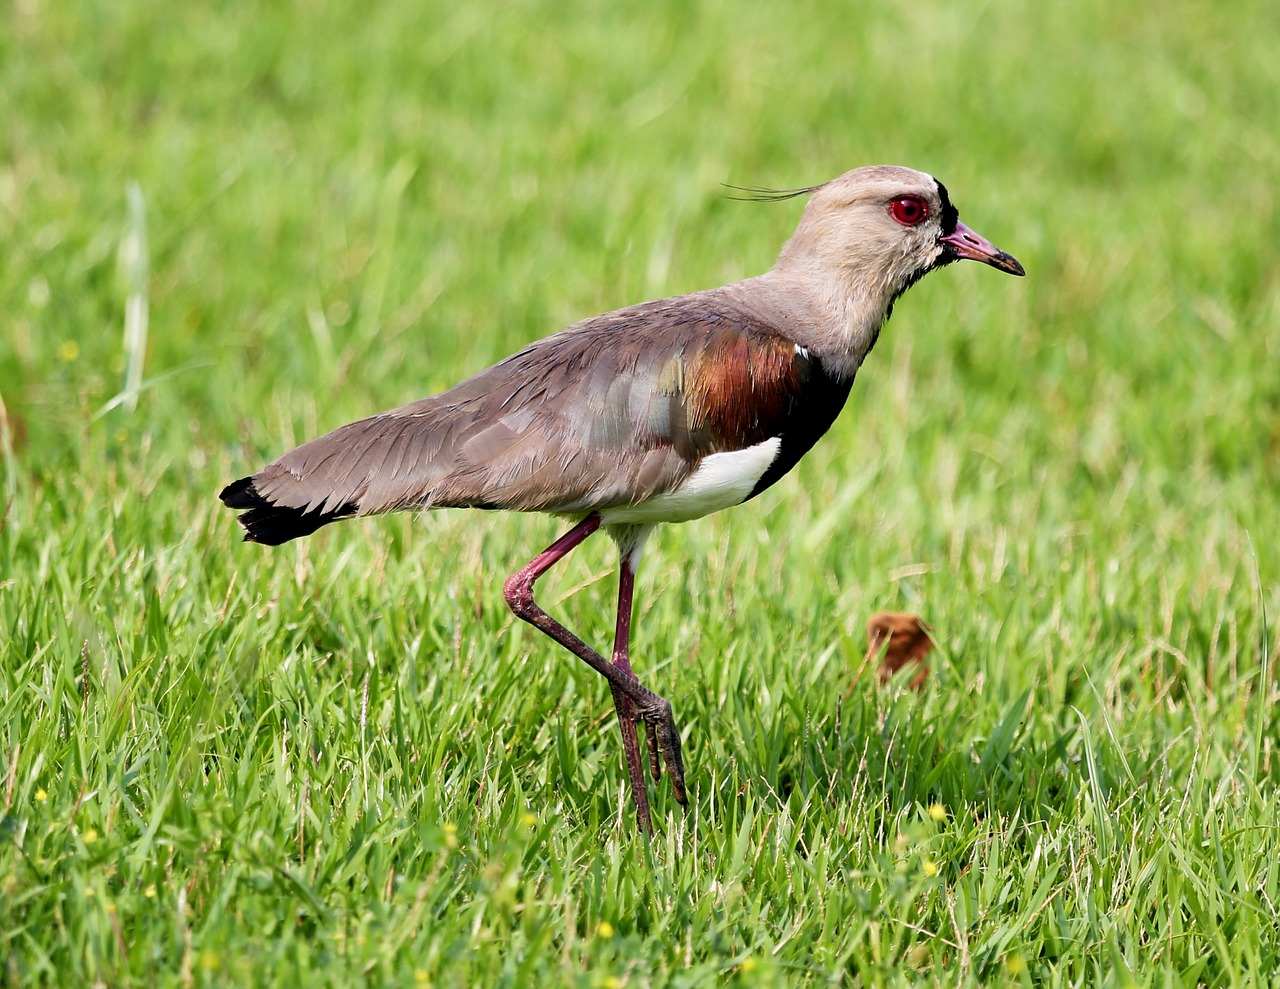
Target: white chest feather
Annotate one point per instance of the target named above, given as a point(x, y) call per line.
point(722, 480)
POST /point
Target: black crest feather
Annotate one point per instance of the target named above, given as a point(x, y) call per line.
point(759, 194)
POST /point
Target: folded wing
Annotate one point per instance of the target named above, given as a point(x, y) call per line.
point(610, 412)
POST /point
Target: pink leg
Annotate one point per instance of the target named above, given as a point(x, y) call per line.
point(626, 717)
point(641, 702)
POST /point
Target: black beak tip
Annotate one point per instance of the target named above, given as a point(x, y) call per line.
point(1007, 262)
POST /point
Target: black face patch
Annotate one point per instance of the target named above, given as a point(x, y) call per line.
point(950, 217)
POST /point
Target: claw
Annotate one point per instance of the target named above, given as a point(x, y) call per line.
point(655, 763)
point(671, 752)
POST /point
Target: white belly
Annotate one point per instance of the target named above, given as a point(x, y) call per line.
point(721, 481)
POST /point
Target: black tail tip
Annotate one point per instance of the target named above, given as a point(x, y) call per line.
point(271, 524)
point(241, 494)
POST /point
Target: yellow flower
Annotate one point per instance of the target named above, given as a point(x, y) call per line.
point(611, 982)
point(90, 836)
point(68, 351)
point(930, 867)
point(41, 796)
point(748, 964)
point(451, 835)
point(1015, 964)
point(605, 930)
point(938, 812)
point(529, 820)
point(150, 891)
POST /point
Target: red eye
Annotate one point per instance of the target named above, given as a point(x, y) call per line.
point(909, 210)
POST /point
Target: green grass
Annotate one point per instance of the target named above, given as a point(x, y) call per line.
point(343, 762)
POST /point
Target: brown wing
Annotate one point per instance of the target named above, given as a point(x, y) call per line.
point(609, 412)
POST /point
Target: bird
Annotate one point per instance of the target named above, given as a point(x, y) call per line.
point(660, 412)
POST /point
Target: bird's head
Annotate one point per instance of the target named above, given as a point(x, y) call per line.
point(878, 230)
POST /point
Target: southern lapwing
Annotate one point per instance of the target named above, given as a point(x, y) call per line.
point(660, 412)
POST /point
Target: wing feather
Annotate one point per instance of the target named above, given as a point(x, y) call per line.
point(610, 412)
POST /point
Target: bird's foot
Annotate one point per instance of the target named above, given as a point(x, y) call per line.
point(663, 738)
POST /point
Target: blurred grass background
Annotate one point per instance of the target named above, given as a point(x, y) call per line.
point(341, 763)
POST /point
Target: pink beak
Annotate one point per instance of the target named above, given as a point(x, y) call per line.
point(965, 243)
